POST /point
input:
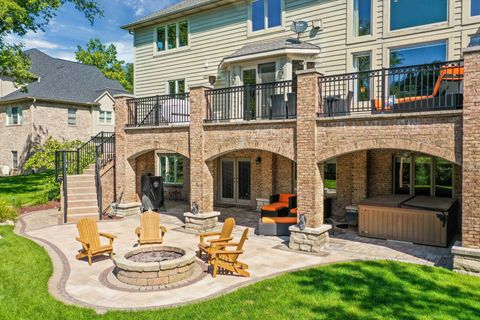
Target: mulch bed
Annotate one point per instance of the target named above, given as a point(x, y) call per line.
point(41, 207)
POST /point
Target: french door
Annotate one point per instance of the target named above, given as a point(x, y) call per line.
point(235, 180)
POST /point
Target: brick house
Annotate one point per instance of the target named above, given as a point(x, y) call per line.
point(67, 100)
point(375, 98)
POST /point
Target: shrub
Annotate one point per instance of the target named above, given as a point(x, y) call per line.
point(7, 212)
point(52, 188)
point(43, 157)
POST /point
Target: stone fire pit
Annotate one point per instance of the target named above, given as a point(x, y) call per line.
point(154, 266)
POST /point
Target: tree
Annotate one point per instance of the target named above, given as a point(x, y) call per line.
point(44, 155)
point(105, 59)
point(17, 17)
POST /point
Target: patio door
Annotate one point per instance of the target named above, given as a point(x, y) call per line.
point(235, 181)
point(249, 79)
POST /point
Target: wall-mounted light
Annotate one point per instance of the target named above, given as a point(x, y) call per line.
point(258, 161)
point(212, 80)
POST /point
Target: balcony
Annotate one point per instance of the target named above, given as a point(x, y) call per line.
point(159, 110)
point(266, 101)
point(429, 87)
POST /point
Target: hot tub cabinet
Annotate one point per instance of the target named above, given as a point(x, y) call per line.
point(420, 219)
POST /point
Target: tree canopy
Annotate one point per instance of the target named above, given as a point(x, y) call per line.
point(18, 17)
point(105, 59)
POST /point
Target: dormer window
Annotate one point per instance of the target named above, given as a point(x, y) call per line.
point(172, 36)
point(266, 14)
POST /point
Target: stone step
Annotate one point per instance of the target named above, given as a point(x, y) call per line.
point(91, 202)
point(81, 190)
point(81, 178)
point(75, 184)
point(89, 171)
point(83, 210)
point(78, 217)
point(81, 196)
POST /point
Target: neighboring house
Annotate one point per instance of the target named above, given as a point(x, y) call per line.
point(67, 100)
point(367, 106)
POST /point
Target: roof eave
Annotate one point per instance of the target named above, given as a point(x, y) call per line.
point(23, 99)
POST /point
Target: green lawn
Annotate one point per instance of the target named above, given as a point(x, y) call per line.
point(359, 290)
point(27, 190)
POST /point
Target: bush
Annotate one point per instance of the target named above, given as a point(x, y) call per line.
point(43, 157)
point(52, 188)
point(7, 212)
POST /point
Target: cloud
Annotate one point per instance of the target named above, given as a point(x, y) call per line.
point(33, 40)
point(142, 7)
point(124, 49)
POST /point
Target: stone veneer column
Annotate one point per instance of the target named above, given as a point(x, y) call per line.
point(125, 169)
point(309, 173)
point(467, 252)
point(201, 178)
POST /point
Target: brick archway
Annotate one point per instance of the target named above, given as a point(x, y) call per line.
point(213, 153)
point(400, 144)
point(137, 153)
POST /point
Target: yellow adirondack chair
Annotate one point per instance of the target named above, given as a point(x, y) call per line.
point(150, 230)
point(228, 259)
point(221, 237)
point(89, 237)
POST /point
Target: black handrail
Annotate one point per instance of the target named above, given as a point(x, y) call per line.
point(425, 87)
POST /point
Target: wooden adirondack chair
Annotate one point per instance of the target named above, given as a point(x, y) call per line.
point(90, 239)
point(228, 259)
point(222, 237)
point(150, 230)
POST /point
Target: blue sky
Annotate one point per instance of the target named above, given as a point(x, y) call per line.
point(70, 28)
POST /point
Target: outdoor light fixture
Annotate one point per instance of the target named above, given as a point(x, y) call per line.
point(212, 80)
point(258, 160)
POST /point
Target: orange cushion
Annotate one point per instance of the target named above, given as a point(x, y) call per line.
point(274, 206)
point(293, 211)
point(279, 220)
point(285, 196)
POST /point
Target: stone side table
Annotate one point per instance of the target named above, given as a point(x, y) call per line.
point(309, 239)
point(202, 222)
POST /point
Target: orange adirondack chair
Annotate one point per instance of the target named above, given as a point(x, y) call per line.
point(221, 237)
point(228, 259)
point(89, 237)
point(150, 230)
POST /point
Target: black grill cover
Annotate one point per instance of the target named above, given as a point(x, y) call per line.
point(152, 194)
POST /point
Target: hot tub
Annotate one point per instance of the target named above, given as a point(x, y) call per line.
point(420, 219)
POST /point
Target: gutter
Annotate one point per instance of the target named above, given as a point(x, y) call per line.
point(34, 99)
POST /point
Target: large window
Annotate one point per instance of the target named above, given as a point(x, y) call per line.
point(171, 169)
point(174, 35)
point(266, 14)
point(72, 116)
point(420, 54)
point(413, 13)
point(475, 8)
point(362, 63)
point(14, 116)
point(423, 175)
point(362, 17)
point(176, 86)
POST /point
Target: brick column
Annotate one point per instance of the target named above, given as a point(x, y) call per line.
point(310, 188)
point(125, 169)
point(467, 253)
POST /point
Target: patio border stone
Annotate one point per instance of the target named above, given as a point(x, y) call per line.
point(309, 239)
point(466, 260)
point(202, 222)
point(126, 209)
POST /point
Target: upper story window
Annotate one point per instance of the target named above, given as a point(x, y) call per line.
point(72, 116)
point(176, 86)
point(475, 8)
point(413, 13)
point(172, 36)
point(14, 116)
point(266, 14)
point(362, 17)
point(105, 117)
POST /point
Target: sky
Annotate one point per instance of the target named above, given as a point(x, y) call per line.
point(70, 28)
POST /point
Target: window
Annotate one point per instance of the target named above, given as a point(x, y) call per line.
point(362, 17)
point(266, 14)
point(14, 116)
point(413, 13)
point(171, 169)
point(14, 159)
point(423, 175)
point(105, 117)
point(425, 53)
point(330, 176)
point(361, 63)
point(474, 40)
point(72, 116)
point(172, 36)
point(176, 86)
point(475, 7)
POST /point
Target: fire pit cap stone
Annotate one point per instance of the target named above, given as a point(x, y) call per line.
point(202, 216)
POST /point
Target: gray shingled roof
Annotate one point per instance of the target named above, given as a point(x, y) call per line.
point(176, 8)
point(64, 80)
point(272, 45)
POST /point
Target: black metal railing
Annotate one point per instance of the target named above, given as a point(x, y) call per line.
point(275, 100)
point(98, 151)
point(159, 110)
point(436, 86)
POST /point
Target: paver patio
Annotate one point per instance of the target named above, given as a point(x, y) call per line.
point(77, 283)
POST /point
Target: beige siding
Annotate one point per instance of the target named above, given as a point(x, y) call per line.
point(217, 33)
point(106, 104)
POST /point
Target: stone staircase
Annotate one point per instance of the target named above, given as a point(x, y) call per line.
point(82, 196)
